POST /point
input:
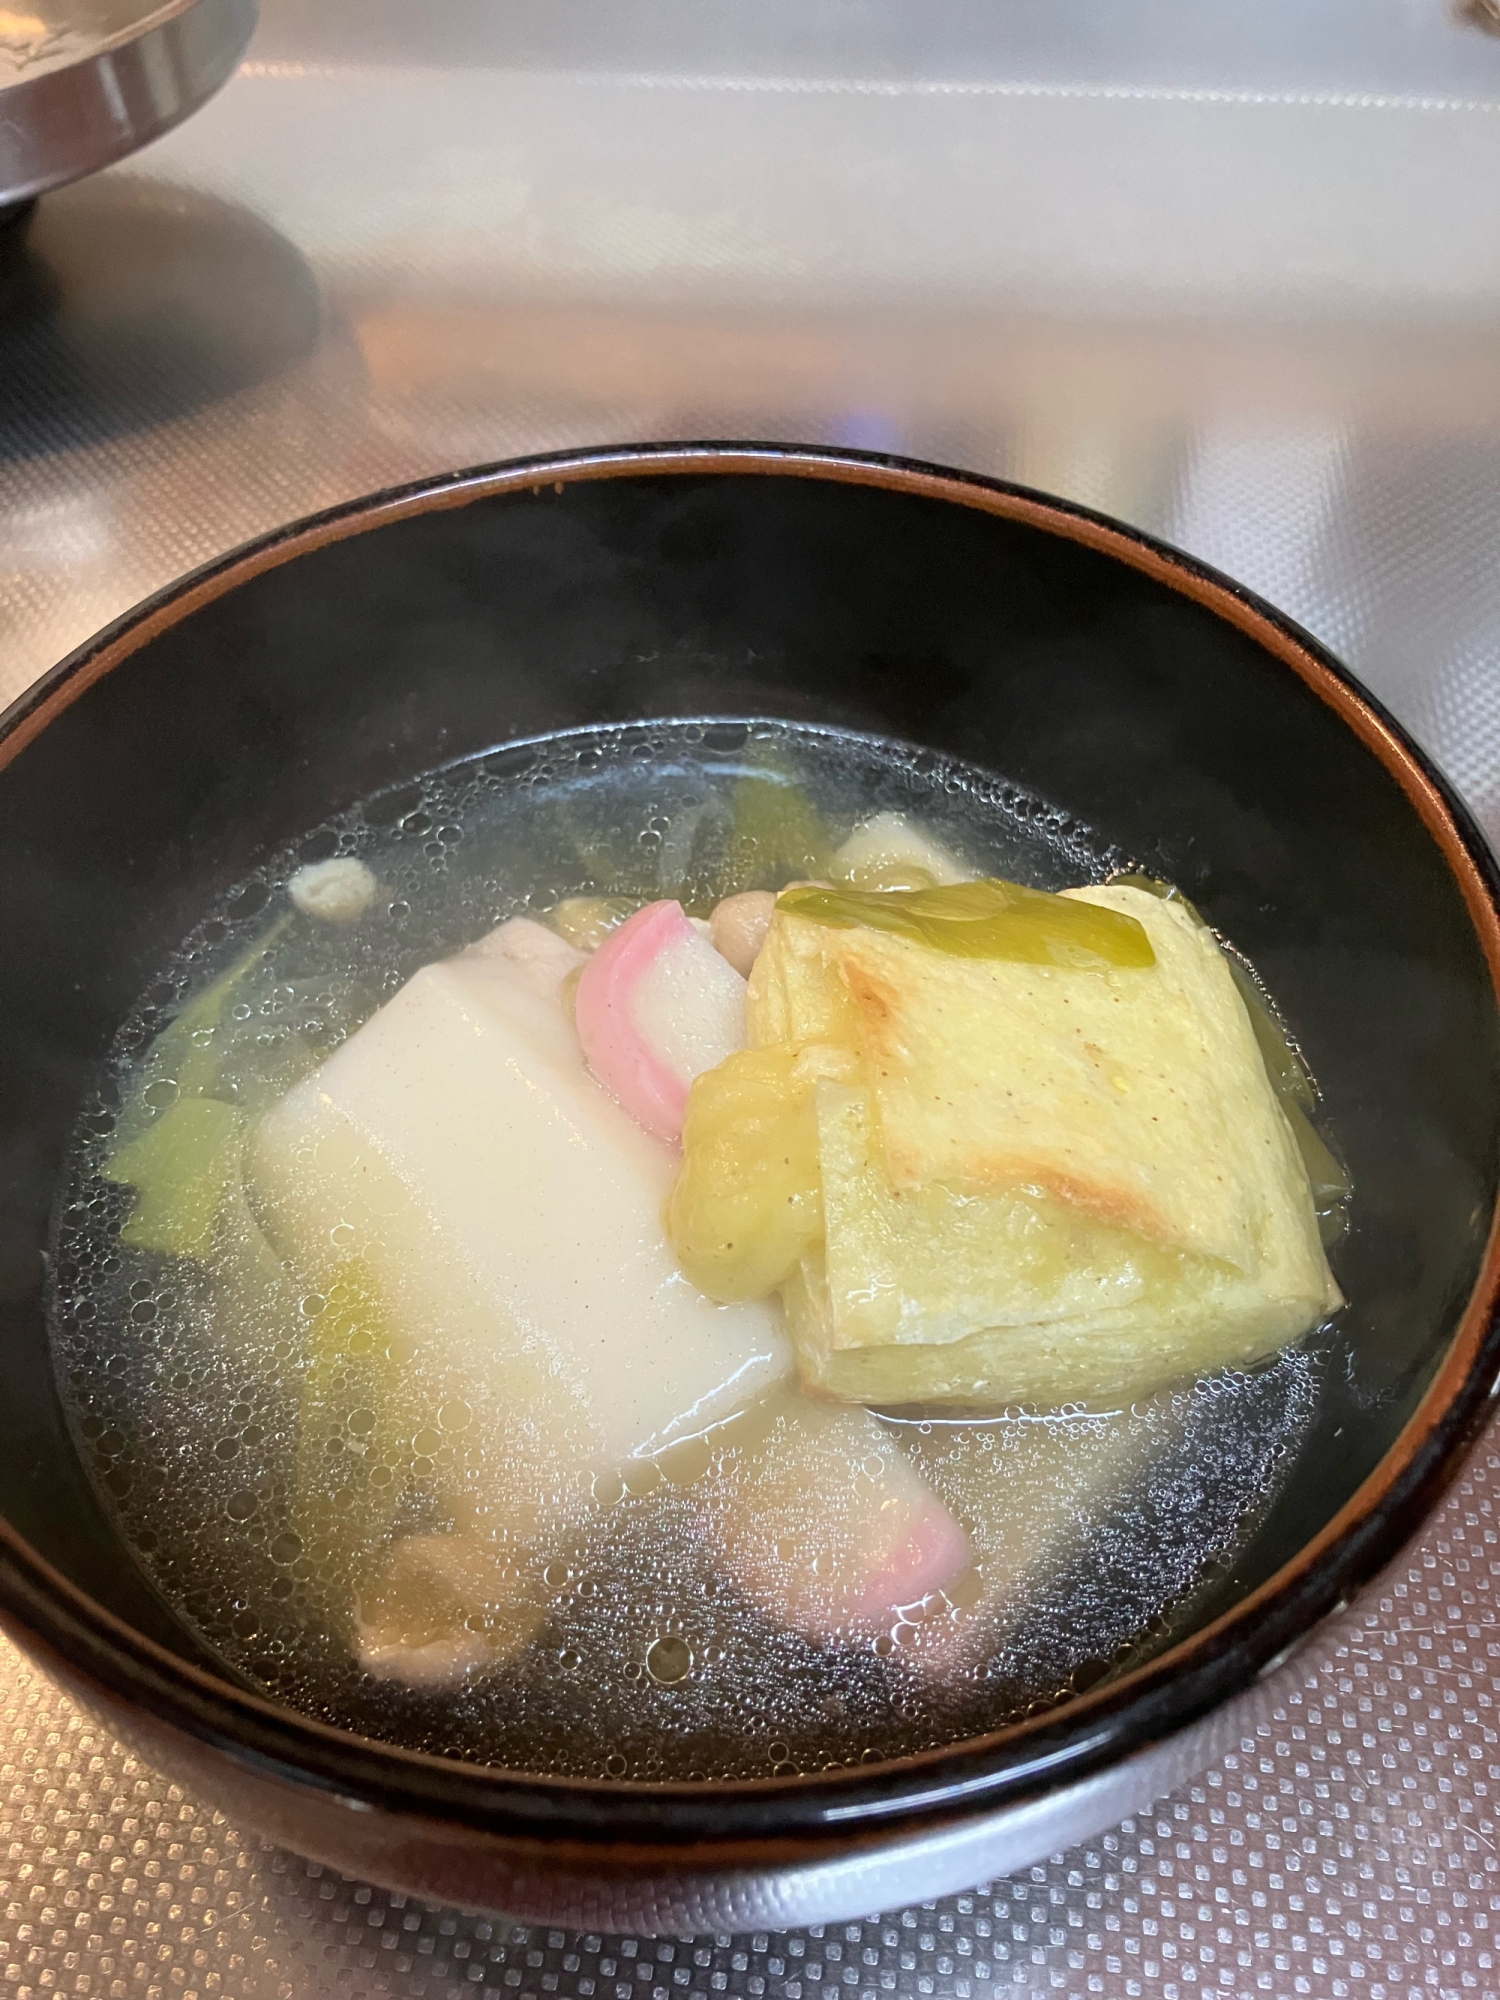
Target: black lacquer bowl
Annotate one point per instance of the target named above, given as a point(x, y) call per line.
point(1170, 710)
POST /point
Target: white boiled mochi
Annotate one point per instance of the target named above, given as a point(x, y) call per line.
point(507, 1210)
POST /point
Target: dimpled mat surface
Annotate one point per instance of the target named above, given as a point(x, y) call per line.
point(1243, 293)
point(1350, 1848)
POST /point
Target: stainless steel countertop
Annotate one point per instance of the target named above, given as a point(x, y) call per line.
point(1242, 291)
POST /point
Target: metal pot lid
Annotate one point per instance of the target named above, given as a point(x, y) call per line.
point(84, 82)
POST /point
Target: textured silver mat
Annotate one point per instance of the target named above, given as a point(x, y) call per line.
point(1348, 1848)
point(1251, 309)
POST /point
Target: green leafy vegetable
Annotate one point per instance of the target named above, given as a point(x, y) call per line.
point(986, 919)
point(349, 1445)
point(187, 1049)
point(182, 1167)
point(183, 1160)
point(776, 832)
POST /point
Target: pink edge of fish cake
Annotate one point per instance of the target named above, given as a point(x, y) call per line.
point(618, 1054)
point(834, 1557)
point(928, 1550)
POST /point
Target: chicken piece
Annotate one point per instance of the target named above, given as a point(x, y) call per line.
point(439, 1607)
point(656, 1006)
point(336, 892)
point(737, 928)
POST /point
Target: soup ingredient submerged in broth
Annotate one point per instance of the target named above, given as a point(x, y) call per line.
point(414, 1459)
point(505, 1213)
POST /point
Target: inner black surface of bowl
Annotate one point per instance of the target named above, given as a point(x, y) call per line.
point(855, 600)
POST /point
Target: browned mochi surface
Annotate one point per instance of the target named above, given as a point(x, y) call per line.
point(1039, 1183)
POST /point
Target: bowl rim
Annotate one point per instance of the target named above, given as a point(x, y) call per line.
point(750, 1820)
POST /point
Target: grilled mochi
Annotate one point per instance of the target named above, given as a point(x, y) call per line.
point(1037, 1183)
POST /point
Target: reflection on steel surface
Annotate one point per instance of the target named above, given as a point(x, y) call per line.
point(88, 83)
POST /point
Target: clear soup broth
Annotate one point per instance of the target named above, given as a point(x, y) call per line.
point(268, 1450)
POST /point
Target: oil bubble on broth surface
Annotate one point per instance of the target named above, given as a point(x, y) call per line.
point(242, 1427)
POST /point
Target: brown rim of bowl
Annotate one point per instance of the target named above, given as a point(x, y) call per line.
point(765, 1819)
